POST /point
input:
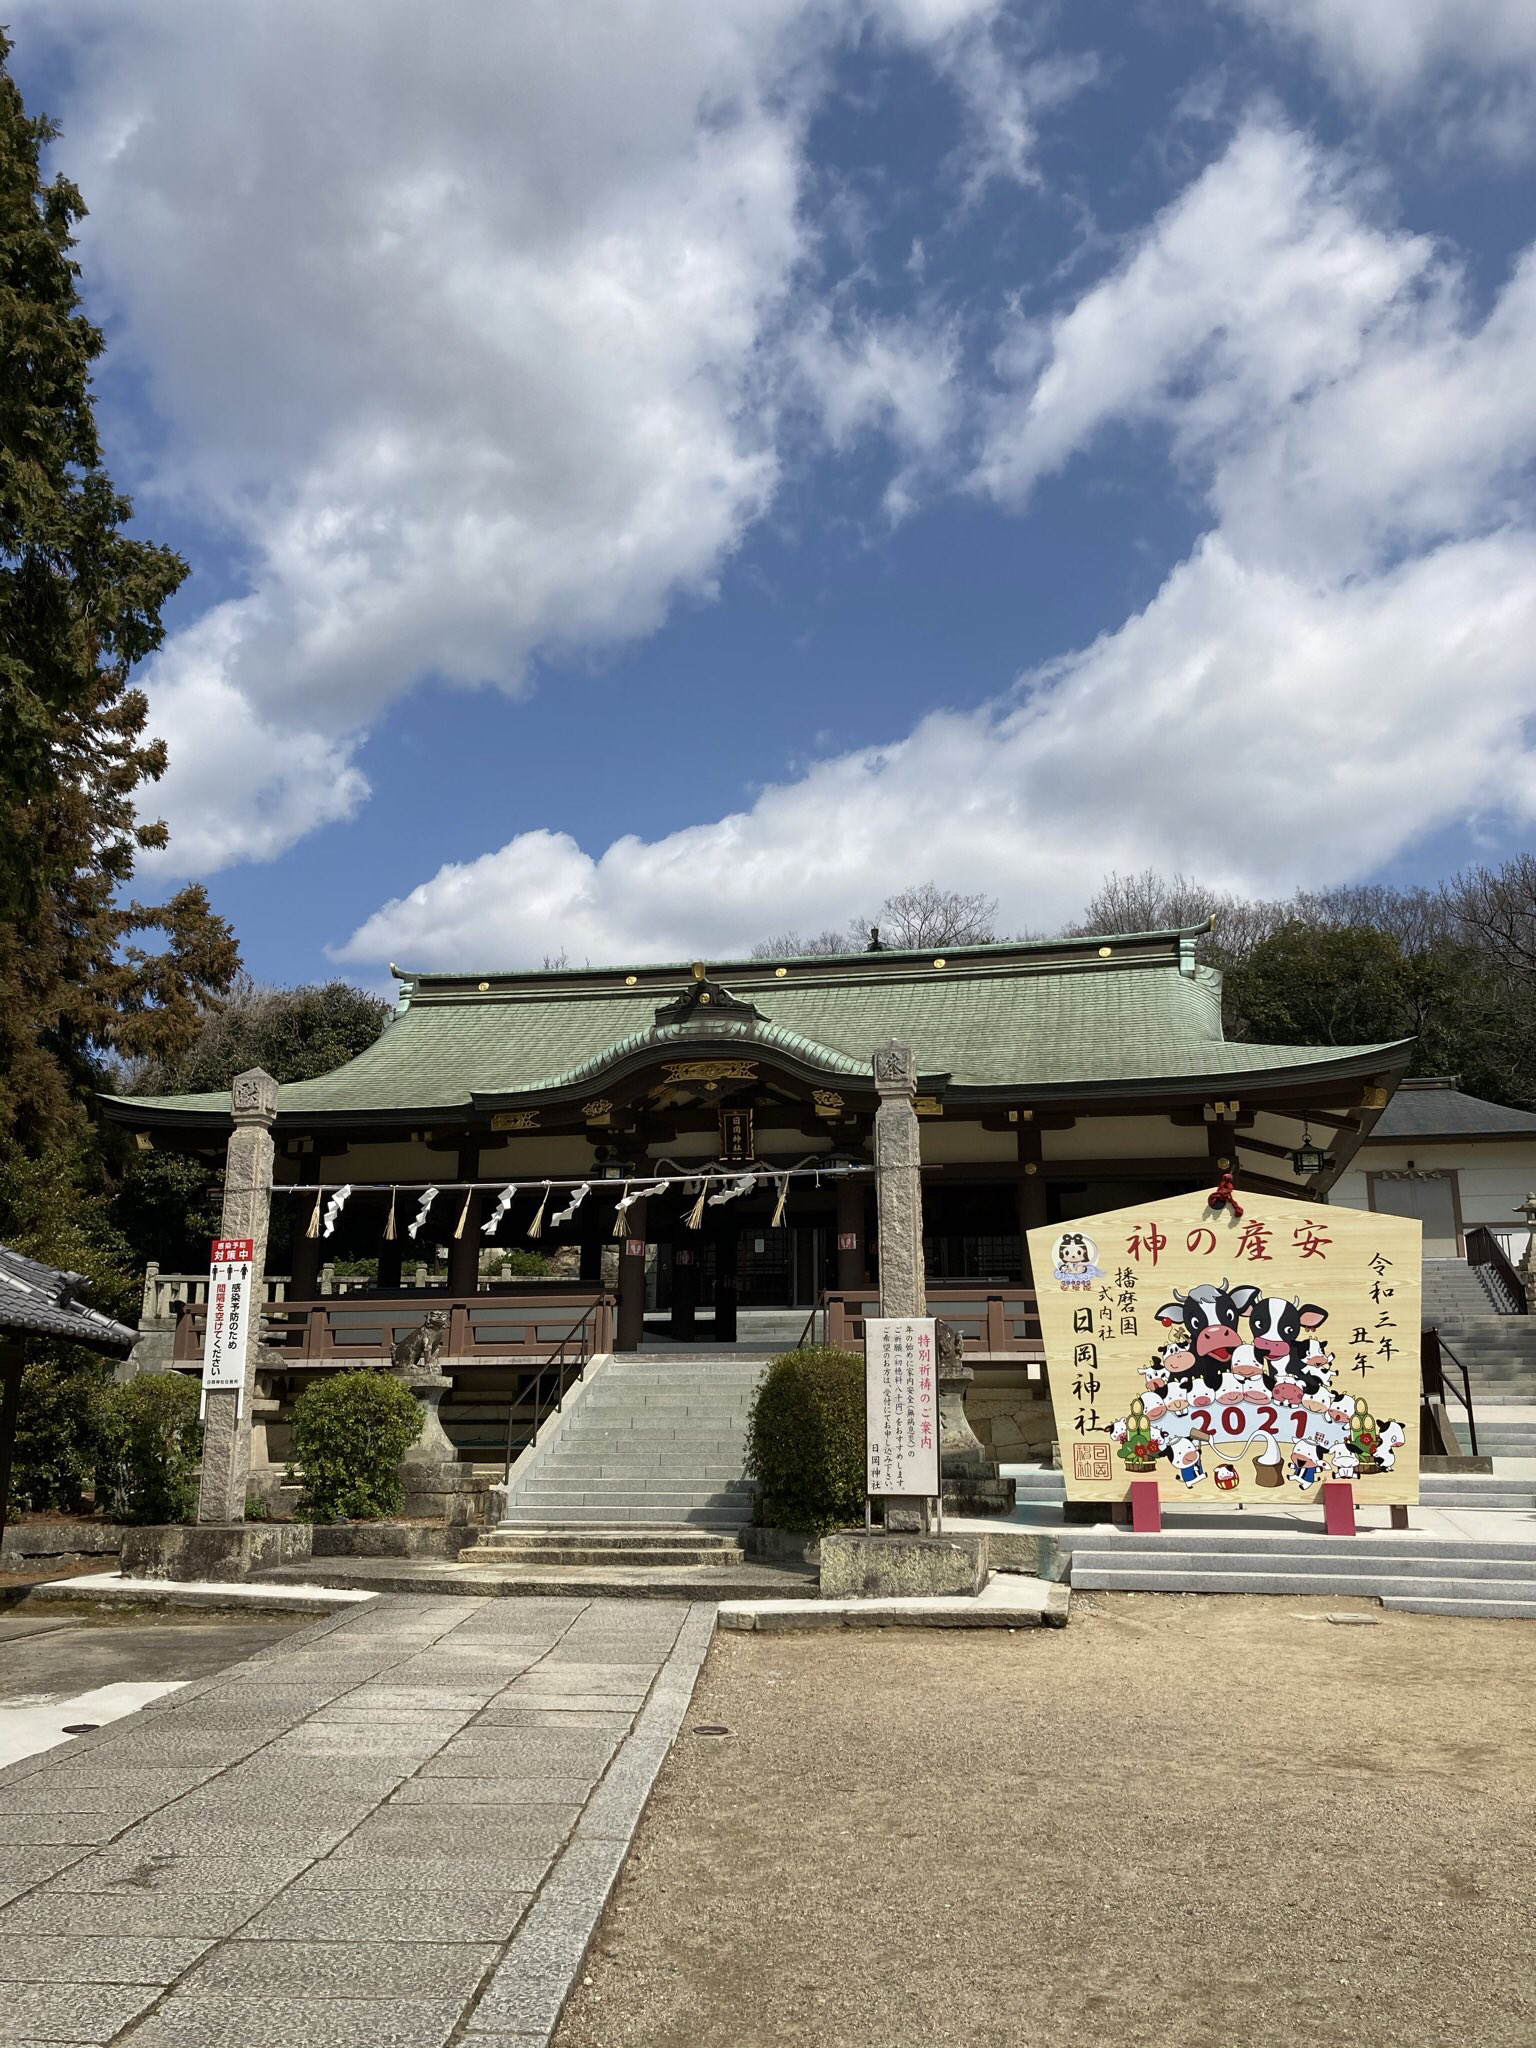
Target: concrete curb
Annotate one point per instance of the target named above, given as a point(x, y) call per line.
point(1008, 1601)
point(229, 1596)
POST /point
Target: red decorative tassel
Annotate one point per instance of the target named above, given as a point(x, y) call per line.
point(1222, 1197)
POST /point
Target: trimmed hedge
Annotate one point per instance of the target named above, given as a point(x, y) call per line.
point(58, 1432)
point(805, 1441)
point(151, 1440)
point(350, 1431)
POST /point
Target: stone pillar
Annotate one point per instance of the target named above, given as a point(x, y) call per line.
point(899, 1211)
point(247, 1209)
point(630, 1332)
point(849, 1267)
point(899, 1184)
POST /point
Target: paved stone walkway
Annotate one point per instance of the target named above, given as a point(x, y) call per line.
point(394, 1829)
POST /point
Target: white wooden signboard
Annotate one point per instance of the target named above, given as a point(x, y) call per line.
point(901, 1406)
point(229, 1282)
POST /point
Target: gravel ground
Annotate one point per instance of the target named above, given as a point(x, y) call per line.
point(1213, 1822)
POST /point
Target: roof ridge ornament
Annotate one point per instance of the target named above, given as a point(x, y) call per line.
point(704, 999)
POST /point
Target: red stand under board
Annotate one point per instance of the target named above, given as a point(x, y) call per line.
point(1146, 1508)
point(1338, 1508)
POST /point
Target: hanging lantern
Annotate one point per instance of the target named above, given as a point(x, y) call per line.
point(1309, 1158)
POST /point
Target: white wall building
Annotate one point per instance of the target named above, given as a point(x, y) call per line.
point(1450, 1159)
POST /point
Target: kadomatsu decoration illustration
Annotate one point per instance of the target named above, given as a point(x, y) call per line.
point(1236, 1357)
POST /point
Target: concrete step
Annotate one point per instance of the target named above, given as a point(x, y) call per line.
point(618, 1541)
point(1516, 1603)
point(1401, 1586)
point(750, 1581)
point(1298, 1563)
point(1221, 1544)
point(658, 1502)
point(606, 1516)
point(581, 1548)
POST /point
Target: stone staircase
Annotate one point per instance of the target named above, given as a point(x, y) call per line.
point(1455, 1292)
point(1494, 1580)
point(1499, 1353)
point(646, 1477)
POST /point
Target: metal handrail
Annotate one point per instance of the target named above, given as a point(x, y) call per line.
point(819, 1309)
point(543, 1406)
point(1484, 1249)
point(1433, 1352)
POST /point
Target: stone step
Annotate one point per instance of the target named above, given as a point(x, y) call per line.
point(590, 1478)
point(606, 1515)
point(1517, 1603)
point(575, 1549)
point(1404, 1549)
point(1198, 1579)
point(618, 1541)
point(595, 1503)
point(750, 1581)
point(1299, 1562)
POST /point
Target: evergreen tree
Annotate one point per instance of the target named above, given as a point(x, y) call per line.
point(80, 604)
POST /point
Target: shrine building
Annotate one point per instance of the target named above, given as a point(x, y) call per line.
point(1057, 1078)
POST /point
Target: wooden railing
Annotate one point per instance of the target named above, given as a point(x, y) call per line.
point(1484, 1249)
point(995, 1321)
point(163, 1291)
point(482, 1328)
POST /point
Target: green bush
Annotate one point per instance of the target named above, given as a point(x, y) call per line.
point(151, 1440)
point(57, 1432)
point(350, 1432)
point(805, 1440)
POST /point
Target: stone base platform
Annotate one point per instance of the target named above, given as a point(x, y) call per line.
point(1008, 1601)
point(595, 1582)
point(212, 1550)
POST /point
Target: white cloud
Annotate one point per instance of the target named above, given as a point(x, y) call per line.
point(1391, 46)
point(1345, 662)
point(460, 324)
point(1469, 64)
point(1245, 727)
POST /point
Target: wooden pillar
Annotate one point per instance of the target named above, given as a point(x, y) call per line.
point(727, 1265)
point(308, 1252)
point(464, 1251)
point(630, 1333)
point(392, 1258)
point(1030, 1190)
point(685, 1291)
point(850, 1224)
point(246, 1214)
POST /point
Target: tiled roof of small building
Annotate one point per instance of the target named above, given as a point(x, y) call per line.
point(1437, 1108)
point(37, 1300)
point(1058, 1015)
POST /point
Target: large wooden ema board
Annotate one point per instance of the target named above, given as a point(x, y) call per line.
point(1238, 1360)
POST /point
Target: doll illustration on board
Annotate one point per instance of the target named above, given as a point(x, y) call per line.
point(1076, 1260)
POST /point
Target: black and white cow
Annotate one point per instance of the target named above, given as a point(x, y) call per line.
point(1212, 1318)
point(1281, 1330)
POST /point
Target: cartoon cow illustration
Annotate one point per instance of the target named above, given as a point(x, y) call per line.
point(1212, 1318)
point(1225, 1477)
point(1306, 1464)
point(1392, 1435)
point(1343, 1463)
point(1246, 1376)
point(1185, 1459)
point(1279, 1328)
point(1315, 1372)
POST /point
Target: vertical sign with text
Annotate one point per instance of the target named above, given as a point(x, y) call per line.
point(229, 1280)
point(901, 1406)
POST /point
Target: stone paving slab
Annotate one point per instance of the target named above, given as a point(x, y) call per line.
point(394, 1829)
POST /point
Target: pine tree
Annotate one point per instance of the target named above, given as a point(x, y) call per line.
point(80, 604)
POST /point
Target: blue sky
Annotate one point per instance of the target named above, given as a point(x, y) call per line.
point(657, 475)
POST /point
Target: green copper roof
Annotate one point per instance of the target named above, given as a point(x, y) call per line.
point(1059, 1015)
